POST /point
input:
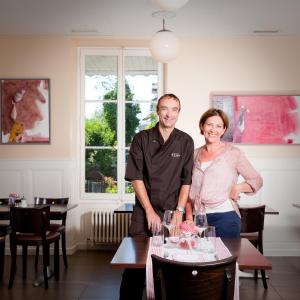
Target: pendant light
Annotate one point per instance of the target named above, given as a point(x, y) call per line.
point(169, 5)
point(164, 45)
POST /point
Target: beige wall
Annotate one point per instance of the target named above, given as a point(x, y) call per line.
point(267, 65)
point(261, 64)
point(54, 58)
point(205, 65)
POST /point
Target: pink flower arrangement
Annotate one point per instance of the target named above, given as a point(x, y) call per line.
point(187, 228)
point(187, 243)
point(15, 196)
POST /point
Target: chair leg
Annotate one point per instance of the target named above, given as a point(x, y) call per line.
point(255, 274)
point(36, 260)
point(56, 260)
point(263, 276)
point(13, 251)
point(24, 258)
point(47, 251)
point(2, 249)
point(64, 250)
point(45, 264)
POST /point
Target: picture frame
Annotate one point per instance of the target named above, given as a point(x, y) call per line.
point(272, 119)
point(25, 111)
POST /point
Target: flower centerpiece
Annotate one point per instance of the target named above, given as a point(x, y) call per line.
point(188, 239)
point(14, 198)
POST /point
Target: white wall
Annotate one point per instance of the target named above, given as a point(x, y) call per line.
point(57, 178)
point(205, 65)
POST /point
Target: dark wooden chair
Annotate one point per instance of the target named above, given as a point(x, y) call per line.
point(61, 227)
point(3, 201)
point(175, 280)
point(30, 227)
point(2, 249)
point(252, 227)
point(4, 230)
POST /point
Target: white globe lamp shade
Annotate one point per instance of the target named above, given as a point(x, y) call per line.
point(164, 46)
point(169, 5)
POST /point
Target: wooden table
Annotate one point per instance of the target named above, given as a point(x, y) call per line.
point(57, 212)
point(128, 208)
point(268, 210)
point(132, 253)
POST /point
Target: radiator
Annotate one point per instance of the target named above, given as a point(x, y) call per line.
point(109, 227)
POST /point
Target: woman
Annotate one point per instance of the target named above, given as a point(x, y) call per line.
point(217, 166)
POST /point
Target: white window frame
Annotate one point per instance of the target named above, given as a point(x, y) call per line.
point(120, 196)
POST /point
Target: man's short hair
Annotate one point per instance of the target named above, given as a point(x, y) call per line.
point(167, 96)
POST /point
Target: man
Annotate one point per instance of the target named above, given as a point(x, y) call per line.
point(160, 170)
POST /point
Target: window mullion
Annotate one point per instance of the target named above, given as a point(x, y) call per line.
point(121, 125)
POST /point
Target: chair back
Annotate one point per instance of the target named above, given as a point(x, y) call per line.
point(4, 201)
point(175, 280)
point(252, 219)
point(34, 220)
point(53, 201)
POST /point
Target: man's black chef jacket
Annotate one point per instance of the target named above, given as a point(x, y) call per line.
point(163, 167)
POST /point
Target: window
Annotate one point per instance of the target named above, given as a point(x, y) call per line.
point(119, 90)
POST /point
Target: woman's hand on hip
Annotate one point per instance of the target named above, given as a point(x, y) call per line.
point(235, 193)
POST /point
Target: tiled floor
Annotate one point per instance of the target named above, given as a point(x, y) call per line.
point(90, 276)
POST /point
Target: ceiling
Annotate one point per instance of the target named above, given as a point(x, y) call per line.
point(133, 18)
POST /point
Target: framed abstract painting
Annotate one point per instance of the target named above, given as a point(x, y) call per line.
point(261, 119)
point(25, 111)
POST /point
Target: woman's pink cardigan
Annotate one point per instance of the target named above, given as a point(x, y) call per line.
point(212, 187)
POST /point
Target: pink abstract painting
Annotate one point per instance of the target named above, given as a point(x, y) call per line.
point(25, 111)
point(271, 119)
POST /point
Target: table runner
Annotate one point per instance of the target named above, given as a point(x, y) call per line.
point(221, 250)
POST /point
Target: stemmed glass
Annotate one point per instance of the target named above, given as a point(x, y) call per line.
point(167, 220)
point(200, 221)
point(173, 230)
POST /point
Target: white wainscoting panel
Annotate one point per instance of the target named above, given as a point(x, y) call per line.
point(11, 181)
point(44, 178)
point(48, 178)
point(58, 178)
point(47, 182)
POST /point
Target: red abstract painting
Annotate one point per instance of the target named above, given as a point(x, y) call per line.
point(25, 111)
point(270, 119)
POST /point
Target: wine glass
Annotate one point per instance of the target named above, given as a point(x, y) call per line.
point(173, 230)
point(200, 221)
point(167, 220)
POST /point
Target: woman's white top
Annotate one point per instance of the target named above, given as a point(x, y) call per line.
point(225, 206)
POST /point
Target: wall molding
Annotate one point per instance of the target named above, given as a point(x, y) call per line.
point(60, 177)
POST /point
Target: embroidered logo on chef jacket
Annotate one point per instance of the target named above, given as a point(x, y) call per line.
point(175, 154)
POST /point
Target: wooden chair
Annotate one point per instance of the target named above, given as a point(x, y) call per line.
point(2, 249)
point(175, 280)
point(61, 228)
point(30, 227)
point(4, 230)
point(3, 201)
point(252, 226)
